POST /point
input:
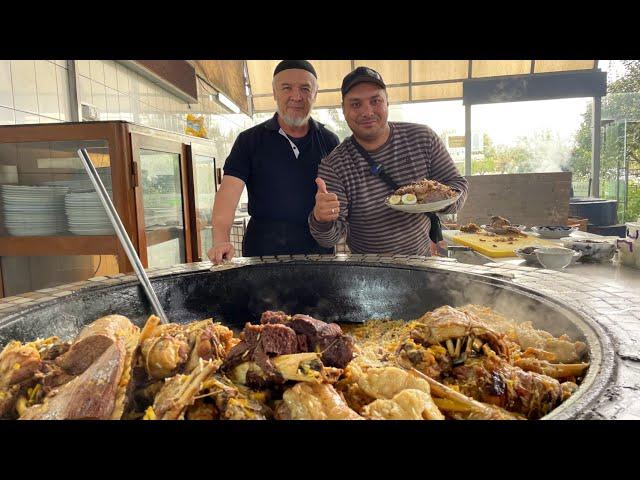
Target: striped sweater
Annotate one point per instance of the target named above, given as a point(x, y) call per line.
point(411, 153)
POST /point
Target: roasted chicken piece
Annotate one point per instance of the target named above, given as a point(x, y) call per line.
point(563, 349)
point(470, 228)
point(179, 392)
point(235, 402)
point(498, 221)
point(492, 380)
point(299, 367)
point(172, 348)
point(314, 401)
point(432, 360)
point(204, 394)
point(501, 226)
point(461, 407)
point(18, 366)
point(553, 370)
point(447, 324)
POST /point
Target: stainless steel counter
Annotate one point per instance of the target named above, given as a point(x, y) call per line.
point(610, 273)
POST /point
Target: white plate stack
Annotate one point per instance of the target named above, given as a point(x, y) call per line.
point(33, 210)
point(86, 215)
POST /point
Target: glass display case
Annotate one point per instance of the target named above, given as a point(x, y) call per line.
point(54, 230)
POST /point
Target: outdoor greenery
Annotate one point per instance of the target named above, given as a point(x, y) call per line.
point(620, 115)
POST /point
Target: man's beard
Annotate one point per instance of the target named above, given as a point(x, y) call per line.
point(294, 121)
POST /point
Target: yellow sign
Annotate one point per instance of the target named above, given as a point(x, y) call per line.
point(456, 141)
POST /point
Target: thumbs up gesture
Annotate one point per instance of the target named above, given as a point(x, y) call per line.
point(327, 206)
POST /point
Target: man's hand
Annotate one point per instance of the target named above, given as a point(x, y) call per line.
point(442, 245)
point(221, 252)
point(327, 206)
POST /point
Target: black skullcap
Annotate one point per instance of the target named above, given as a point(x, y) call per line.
point(300, 64)
point(361, 75)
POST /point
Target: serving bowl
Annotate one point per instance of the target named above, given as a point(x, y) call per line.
point(528, 254)
point(555, 258)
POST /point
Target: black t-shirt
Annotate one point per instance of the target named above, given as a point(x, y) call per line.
point(281, 187)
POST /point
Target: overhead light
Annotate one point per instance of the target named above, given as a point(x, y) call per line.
point(228, 103)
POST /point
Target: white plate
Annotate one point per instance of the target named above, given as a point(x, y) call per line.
point(31, 198)
point(92, 232)
point(33, 208)
point(14, 232)
point(543, 232)
point(31, 188)
point(35, 221)
point(423, 207)
point(88, 208)
point(89, 225)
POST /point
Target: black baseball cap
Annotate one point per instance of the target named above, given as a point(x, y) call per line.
point(361, 75)
point(297, 64)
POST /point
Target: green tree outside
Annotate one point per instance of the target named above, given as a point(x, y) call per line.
point(620, 110)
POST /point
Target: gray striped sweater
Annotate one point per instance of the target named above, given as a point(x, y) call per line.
point(411, 153)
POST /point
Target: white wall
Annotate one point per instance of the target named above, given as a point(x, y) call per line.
point(34, 91)
point(37, 91)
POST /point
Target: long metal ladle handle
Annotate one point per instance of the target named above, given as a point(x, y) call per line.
point(122, 234)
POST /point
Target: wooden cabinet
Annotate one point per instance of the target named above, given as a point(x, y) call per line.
point(162, 186)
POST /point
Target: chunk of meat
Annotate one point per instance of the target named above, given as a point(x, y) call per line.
point(326, 338)
point(470, 228)
point(92, 341)
point(498, 221)
point(259, 344)
point(495, 381)
point(91, 395)
point(446, 323)
point(18, 363)
point(524, 334)
point(271, 316)
point(177, 348)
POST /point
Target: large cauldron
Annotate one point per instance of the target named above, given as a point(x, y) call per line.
point(353, 289)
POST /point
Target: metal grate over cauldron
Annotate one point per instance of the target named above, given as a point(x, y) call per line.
point(346, 288)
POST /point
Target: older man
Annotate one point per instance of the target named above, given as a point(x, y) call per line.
point(278, 162)
point(351, 192)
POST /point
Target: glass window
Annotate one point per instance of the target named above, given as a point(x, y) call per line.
point(620, 157)
point(163, 215)
point(204, 175)
point(533, 137)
